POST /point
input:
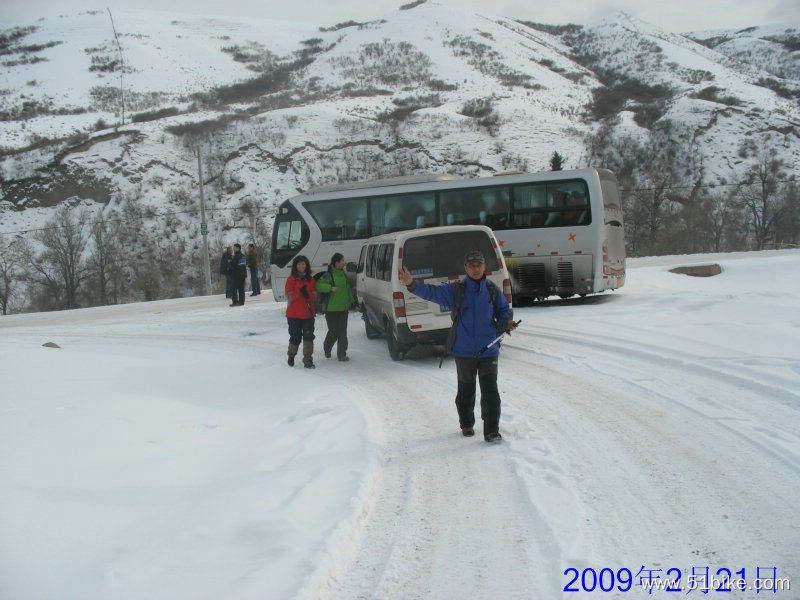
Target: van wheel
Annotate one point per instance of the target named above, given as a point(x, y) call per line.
point(372, 332)
point(395, 351)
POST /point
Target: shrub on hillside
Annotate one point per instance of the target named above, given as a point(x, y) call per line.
point(647, 102)
point(437, 85)
point(342, 25)
point(553, 29)
point(711, 93)
point(350, 90)
point(155, 114)
point(201, 129)
point(386, 63)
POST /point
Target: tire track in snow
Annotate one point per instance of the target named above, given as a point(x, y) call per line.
point(447, 513)
point(645, 468)
point(699, 384)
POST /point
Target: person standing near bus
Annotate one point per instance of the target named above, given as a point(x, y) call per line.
point(300, 311)
point(224, 269)
point(252, 264)
point(238, 268)
point(341, 298)
point(478, 311)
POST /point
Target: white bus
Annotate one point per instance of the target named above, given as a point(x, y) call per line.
point(561, 232)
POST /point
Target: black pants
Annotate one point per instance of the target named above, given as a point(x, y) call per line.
point(486, 371)
point(337, 333)
point(237, 291)
point(300, 329)
point(228, 285)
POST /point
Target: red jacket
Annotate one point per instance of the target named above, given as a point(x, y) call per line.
point(299, 307)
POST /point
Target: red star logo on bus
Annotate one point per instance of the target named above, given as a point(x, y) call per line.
point(502, 243)
point(571, 237)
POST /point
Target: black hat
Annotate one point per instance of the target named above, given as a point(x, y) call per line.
point(474, 256)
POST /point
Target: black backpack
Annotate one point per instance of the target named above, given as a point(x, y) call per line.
point(321, 298)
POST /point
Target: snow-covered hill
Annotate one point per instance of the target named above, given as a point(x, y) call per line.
point(278, 108)
point(166, 450)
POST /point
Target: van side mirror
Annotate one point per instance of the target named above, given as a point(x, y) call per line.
point(351, 267)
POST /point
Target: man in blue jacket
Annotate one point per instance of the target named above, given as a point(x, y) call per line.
point(480, 312)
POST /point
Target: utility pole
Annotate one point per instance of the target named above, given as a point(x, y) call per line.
point(121, 65)
point(204, 226)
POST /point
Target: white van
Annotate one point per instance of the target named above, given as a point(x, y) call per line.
point(433, 255)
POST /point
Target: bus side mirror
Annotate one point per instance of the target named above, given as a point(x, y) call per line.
point(351, 267)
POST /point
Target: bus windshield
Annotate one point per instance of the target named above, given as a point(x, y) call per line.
point(290, 233)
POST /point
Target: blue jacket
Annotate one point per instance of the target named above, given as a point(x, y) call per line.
point(477, 318)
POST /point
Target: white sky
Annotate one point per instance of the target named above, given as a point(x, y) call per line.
point(673, 15)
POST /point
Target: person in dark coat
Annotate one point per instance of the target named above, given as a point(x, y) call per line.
point(475, 325)
point(238, 268)
point(224, 269)
point(300, 311)
point(252, 264)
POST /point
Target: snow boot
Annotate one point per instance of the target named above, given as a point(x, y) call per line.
point(308, 354)
point(291, 354)
point(493, 437)
point(467, 431)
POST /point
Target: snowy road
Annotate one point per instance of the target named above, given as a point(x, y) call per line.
point(655, 428)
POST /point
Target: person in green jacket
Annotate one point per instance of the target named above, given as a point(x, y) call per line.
point(339, 302)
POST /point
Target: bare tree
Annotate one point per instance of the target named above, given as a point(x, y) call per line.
point(761, 198)
point(61, 266)
point(10, 273)
point(787, 230)
point(105, 263)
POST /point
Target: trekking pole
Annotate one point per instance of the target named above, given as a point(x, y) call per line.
point(498, 338)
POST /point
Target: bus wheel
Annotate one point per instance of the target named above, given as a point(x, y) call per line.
point(372, 332)
point(395, 351)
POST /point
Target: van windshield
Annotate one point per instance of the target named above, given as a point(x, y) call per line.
point(442, 255)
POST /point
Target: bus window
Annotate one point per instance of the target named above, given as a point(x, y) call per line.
point(290, 233)
point(340, 219)
point(398, 213)
point(529, 204)
point(483, 206)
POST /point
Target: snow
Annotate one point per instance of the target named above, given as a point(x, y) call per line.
point(166, 450)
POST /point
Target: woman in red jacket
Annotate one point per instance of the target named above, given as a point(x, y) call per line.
point(300, 311)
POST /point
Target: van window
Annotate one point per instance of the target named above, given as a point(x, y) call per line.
point(371, 260)
point(383, 267)
point(362, 259)
point(442, 255)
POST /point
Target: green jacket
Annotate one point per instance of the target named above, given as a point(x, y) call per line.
point(340, 300)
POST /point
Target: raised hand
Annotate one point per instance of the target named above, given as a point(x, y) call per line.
point(404, 275)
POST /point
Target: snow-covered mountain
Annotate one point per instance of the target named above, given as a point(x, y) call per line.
point(280, 107)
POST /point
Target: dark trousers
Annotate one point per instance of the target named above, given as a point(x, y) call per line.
point(486, 371)
point(237, 291)
point(300, 329)
point(255, 284)
point(228, 285)
point(337, 333)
